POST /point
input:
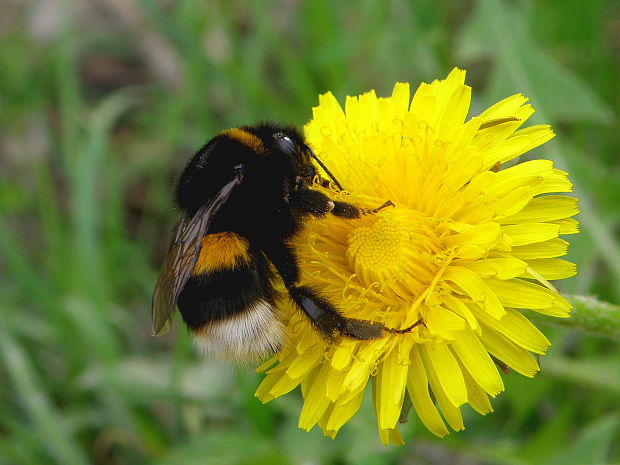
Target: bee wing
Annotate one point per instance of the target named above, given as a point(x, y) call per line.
point(181, 258)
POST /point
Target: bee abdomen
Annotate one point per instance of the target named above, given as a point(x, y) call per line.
point(227, 303)
point(245, 336)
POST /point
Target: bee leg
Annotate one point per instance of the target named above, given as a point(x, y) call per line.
point(239, 173)
point(328, 320)
point(350, 211)
point(312, 202)
point(408, 329)
point(318, 204)
point(325, 317)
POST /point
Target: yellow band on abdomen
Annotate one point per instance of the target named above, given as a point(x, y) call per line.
point(225, 250)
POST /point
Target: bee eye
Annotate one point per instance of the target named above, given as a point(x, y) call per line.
point(285, 143)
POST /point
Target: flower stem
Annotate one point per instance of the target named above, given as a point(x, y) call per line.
point(591, 314)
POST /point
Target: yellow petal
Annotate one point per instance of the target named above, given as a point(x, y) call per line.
point(454, 112)
point(447, 371)
point(358, 373)
point(334, 385)
point(513, 105)
point(547, 249)
point(519, 143)
point(285, 384)
point(518, 293)
point(477, 398)
point(529, 173)
point(451, 413)
point(304, 362)
point(528, 233)
point(474, 357)
point(417, 386)
point(507, 351)
point(552, 268)
point(341, 413)
point(546, 208)
point(262, 392)
point(483, 234)
point(517, 328)
point(393, 436)
point(263, 367)
point(501, 268)
point(567, 225)
point(390, 384)
point(556, 181)
point(400, 98)
point(476, 288)
point(315, 401)
point(328, 109)
point(561, 308)
point(342, 355)
point(442, 322)
point(513, 202)
point(458, 306)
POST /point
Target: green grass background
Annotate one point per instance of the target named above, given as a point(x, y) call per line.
point(103, 101)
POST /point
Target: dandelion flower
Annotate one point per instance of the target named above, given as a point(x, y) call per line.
point(468, 248)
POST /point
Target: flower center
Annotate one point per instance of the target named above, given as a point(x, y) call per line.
point(376, 251)
point(397, 253)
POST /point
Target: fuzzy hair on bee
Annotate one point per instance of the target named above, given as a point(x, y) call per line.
point(242, 198)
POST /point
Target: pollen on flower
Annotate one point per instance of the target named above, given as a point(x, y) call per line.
point(468, 250)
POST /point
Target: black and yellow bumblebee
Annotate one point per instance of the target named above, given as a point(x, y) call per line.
point(243, 197)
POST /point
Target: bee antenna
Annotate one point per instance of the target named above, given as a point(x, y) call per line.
point(322, 165)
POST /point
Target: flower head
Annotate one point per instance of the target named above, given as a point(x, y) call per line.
point(468, 248)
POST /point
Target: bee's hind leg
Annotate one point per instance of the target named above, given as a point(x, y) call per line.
point(324, 316)
point(328, 320)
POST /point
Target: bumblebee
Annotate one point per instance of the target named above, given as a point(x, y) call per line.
point(242, 198)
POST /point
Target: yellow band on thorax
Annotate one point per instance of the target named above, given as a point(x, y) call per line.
point(246, 138)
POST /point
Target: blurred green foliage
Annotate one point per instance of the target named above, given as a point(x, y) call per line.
point(101, 103)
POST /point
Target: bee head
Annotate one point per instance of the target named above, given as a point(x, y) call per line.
point(293, 154)
point(301, 150)
point(295, 149)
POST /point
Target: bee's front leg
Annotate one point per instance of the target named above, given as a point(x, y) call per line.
point(318, 204)
point(348, 210)
point(311, 202)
